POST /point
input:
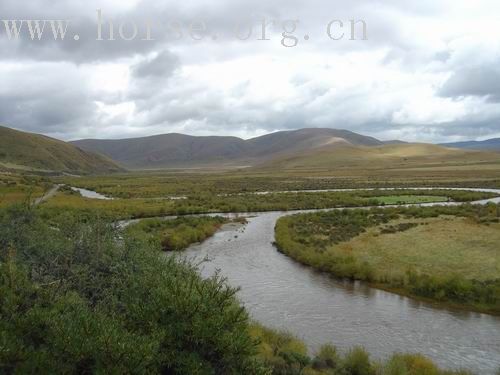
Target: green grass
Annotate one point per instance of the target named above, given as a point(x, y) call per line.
point(410, 199)
point(443, 246)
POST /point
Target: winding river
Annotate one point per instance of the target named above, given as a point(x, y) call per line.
point(283, 294)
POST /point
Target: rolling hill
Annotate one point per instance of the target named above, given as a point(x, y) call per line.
point(489, 144)
point(34, 152)
point(392, 156)
point(181, 151)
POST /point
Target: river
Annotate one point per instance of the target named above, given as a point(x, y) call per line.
point(280, 293)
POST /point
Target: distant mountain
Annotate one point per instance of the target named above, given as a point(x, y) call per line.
point(399, 156)
point(178, 150)
point(395, 142)
point(167, 150)
point(489, 144)
point(28, 151)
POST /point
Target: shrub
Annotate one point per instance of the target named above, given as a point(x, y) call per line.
point(80, 298)
point(327, 358)
point(357, 362)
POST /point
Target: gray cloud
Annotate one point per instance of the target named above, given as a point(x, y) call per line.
point(481, 81)
point(163, 64)
point(413, 78)
point(52, 98)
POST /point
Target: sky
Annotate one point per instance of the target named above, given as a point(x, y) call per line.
point(426, 70)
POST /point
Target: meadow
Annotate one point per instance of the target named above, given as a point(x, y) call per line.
point(179, 184)
point(445, 254)
point(67, 200)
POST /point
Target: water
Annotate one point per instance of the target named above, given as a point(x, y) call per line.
point(90, 194)
point(283, 294)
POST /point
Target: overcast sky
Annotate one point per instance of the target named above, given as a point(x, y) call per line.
point(429, 71)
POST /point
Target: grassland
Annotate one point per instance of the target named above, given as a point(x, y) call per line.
point(69, 201)
point(443, 246)
point(446, 254)
point(388, 157)
point(167, 184)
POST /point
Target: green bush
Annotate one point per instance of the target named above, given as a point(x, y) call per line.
point(357, 362)
point(78, 298)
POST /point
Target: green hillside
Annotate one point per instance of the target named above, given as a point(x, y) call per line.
point(34, 152)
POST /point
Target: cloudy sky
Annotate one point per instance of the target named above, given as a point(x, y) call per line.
point(428, 71)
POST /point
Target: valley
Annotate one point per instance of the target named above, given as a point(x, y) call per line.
point(238, 188)
point(333, 241)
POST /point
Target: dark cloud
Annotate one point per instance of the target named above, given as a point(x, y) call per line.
point(48, 98)
point(481, 81)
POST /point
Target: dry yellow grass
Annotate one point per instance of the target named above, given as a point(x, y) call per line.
point(407, 161)
point(442, 246)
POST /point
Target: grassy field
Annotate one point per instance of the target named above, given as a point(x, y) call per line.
point(445, 246)
point(446, 254)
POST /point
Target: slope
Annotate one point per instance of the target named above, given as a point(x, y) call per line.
point(28, 151)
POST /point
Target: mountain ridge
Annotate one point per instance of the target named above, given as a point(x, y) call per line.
point(487, 144)
point(179, 150)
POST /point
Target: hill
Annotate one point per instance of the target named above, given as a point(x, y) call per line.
point(489, 144)
point(34, 152)
point(178, 150)
point(393, 156)
point(168, 150)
